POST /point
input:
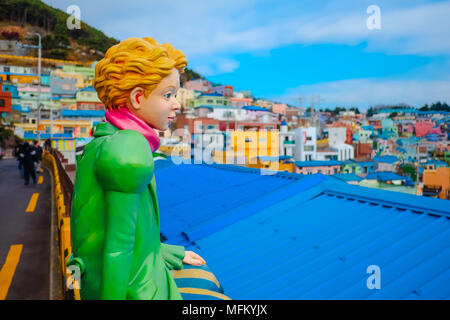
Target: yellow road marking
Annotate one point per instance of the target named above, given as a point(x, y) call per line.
point(41, 179)
point(33, 202)
point(9, 268)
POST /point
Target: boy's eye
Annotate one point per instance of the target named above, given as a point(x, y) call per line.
point(168, 95)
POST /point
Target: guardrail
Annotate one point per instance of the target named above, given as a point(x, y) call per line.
point(63, 189)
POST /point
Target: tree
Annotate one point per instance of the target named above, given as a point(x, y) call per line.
point(393, 114)
point(424, 108)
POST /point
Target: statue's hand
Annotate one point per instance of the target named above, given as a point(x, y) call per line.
point(193, 259)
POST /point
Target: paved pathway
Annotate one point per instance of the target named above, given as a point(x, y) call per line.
point(24, 234)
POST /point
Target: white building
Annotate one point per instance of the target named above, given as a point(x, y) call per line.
point(286, 141)
point(336, 141)
point(305, 144)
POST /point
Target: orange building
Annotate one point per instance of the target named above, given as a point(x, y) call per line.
point(436, 183)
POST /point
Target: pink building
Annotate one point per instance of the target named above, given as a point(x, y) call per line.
point(226, 91)
point(423, 127)
point(312, 169)
point(279, 108)
point(198, 85)
point(409, 128)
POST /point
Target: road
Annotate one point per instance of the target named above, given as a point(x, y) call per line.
point(24, 234)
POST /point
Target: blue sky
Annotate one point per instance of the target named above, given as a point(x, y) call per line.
point(285, 49)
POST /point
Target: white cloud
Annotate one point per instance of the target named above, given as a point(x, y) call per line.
point(366, 92)
point(217, 66)
point(203, 27)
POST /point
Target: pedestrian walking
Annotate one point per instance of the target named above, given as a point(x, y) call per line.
point(38, 155)
point(18, 150)
point(27, 156)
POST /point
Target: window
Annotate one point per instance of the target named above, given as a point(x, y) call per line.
point(308, 148)
point(83, 130)
point(210, 126)
point(68, 130)
point(2, 102)
point(209, 101)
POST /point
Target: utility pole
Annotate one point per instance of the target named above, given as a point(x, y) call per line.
point(300, 100)
point(39, 88)
point(318, 99)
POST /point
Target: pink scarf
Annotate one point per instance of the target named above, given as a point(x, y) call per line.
point(124, 119)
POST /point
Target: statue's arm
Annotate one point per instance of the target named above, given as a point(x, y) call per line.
point(173, 256)
point(124, 168)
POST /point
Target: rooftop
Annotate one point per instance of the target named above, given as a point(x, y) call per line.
point(318, 163)
point(289, 236)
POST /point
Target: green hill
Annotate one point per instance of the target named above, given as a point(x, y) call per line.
point(19, 19)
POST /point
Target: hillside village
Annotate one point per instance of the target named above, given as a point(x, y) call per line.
point(394, 148)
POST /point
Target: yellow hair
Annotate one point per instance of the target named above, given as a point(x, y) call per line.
point(132, 63)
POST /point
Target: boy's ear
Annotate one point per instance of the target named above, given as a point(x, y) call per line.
point(135, 98)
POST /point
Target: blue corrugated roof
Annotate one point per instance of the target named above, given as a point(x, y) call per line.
point(255, 108)
point(325, 163)
point(208, 191)
point(347, 177)
point(33, 136)
point(87, 89)
point(274, 158)
point(271, 237)
point(384, 176)
point(82, 113)
point(386, 159)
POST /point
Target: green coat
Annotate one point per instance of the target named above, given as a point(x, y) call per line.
point(115, 221)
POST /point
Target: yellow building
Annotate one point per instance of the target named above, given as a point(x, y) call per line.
point(20, 78)
point(254, 149)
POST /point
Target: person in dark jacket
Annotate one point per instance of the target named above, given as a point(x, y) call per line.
point(17, 151)
point(27, 155)
point(38, 155)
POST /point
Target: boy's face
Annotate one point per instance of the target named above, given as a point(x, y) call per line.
point(159, 108)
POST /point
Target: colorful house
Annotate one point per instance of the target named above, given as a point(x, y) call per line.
point(210, 99)
point(5, 100)
point(87, 99)
point(386, 163)
point(423, 127)
point(226, 91)
point(436, 183)
point(313, 167)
